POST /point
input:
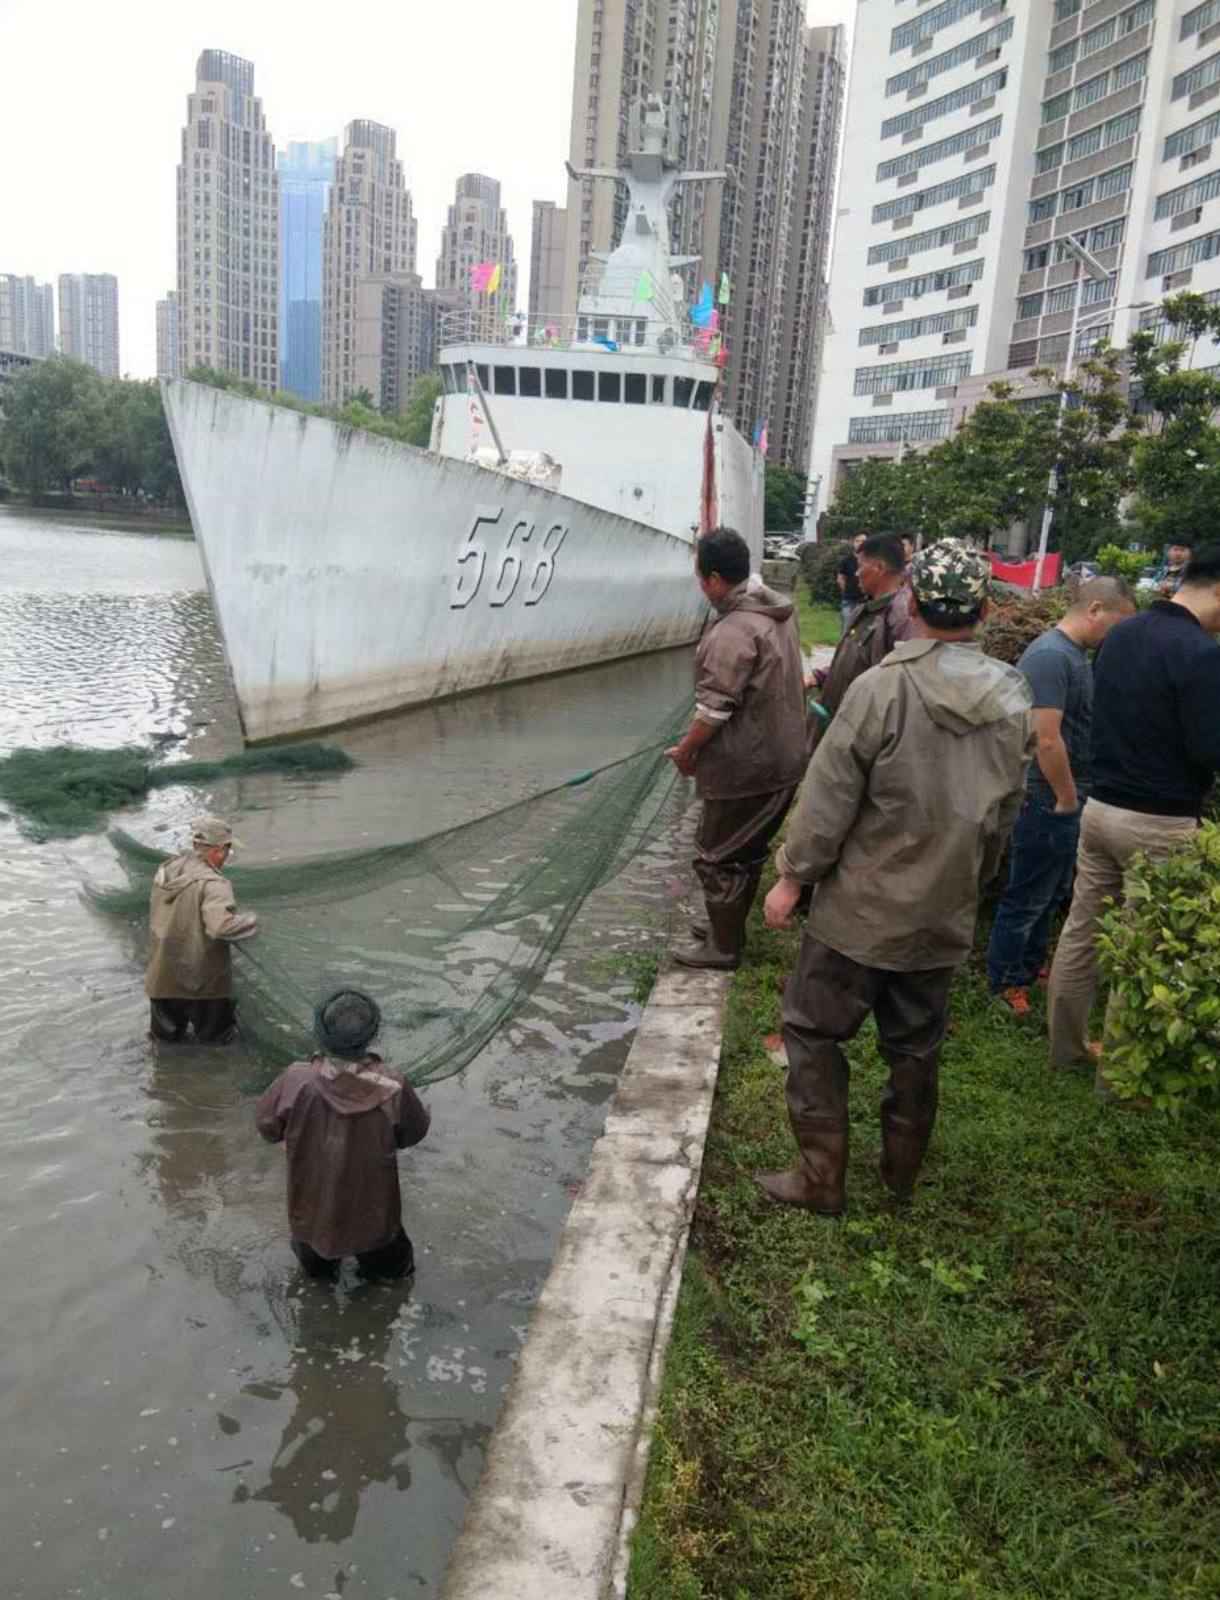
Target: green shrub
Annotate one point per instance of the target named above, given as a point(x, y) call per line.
point(820, 563)
point(1160, 951)
point(1116, 562)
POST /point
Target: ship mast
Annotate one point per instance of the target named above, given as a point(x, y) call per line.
point(639, 286)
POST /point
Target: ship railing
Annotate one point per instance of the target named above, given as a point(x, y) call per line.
point(628, 335)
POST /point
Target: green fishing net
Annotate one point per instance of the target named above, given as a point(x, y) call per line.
point(448, 933)
point(66, 789)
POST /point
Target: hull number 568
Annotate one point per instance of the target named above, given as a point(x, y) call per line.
point(524, 564)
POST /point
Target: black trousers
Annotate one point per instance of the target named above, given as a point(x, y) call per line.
point(393, 1260)
point(214, 1021)
point(733, 841)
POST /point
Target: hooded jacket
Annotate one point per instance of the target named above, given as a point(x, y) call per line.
point(908, 804)
point(750, 680)
point(192, 920)
point(871, 634)
point(344, 1123)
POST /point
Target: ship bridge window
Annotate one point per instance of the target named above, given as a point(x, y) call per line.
point(684, 388)
point(506, 380)
point(635, 389)
point(556, 383)
point(658, 389)
point(609, 386)
point(455, 379)
point(582, 386)
point(529, 381)
point(703, 397)
point(484, 374)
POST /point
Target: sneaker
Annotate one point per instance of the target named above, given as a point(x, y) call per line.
point(1015, 1001)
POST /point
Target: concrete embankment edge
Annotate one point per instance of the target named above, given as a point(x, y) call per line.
point(554, 1508)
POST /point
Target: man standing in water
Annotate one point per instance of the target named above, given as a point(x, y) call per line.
point(746, 747)
point(193, 920)
point(345, 1116)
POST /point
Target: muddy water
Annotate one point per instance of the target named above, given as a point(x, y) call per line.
point(181, 1414)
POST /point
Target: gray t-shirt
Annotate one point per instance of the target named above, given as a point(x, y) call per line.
point(1061, 676)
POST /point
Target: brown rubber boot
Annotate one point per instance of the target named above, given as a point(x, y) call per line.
point(726, 937)
point(903, 1146)
point(818, 1182)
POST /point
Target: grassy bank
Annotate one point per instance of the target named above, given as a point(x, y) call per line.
point(1009, 1390)
point(820, 624)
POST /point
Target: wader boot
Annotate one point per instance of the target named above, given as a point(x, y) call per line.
point(727, 912)
point(818, 1182)
point(903, 1145)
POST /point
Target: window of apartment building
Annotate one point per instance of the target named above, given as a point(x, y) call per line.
point(931, 22)
point(896, 377)
point(1194, 137)
point(968, 50)
point(954, 101)
point(905, 205)
point(910, 426)
point(925, 283)
point(1199, 18)
point(1203, 247)
point(933, 239)
point(1197, 77)
point(919, 327)
point(1029, 305)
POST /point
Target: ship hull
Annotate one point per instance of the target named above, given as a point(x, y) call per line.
point(354, 576)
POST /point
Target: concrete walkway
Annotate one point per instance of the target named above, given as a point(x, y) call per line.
point(553, 1511)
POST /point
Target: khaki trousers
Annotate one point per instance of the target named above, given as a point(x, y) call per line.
point(1109, 837)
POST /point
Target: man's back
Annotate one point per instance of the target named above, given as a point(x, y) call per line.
point(909, 798)
point(1156, 713)
point(749, 676)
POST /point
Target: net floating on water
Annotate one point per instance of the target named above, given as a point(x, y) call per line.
point(448, 933)
point(69, 789)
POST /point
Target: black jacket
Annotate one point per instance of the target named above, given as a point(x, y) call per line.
point(1156, 713)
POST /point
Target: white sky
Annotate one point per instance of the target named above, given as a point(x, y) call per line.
point(93, 99)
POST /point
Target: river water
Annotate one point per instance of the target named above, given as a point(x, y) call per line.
point(181, 1414)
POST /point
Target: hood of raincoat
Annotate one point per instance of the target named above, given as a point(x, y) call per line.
point(762, 600)
point(175, 876)
point(353, 1087)
point(960, 688)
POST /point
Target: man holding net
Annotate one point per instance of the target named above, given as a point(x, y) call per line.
point(344, 1116)
point(745, 748)
point(193, 919)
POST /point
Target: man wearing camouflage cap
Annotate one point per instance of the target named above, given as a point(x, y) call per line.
point(905, 811)
point(193, 919)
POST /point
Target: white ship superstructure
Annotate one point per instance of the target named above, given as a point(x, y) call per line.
point(549, 527)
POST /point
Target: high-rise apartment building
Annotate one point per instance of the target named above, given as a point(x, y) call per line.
point(803, 316)
point(228, 226)
point(980, 138)
point(476, 233)
point(89, 319)
point(745, 88)
point(27, 316)
point(167, 336)
point(369, 232)
point(395, 337)
point(547, 245)
point(306, 172)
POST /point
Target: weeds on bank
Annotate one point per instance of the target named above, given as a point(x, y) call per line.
point(1010, 1389)
point(820, 624)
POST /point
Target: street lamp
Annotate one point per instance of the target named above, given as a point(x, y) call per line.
point(1092, 269)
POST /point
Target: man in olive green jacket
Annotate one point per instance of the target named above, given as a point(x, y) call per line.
point(192, 922)
point(745, 748)
point(904, 813)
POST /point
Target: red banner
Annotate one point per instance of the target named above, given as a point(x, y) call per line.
point(1021, 573)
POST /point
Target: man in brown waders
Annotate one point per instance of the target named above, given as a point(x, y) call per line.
point(193, 920)
point(745, 748)
point(905, 811)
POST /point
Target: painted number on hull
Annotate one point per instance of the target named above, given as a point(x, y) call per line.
point(517, 553)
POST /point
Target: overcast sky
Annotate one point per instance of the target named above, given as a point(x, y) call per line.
point(94, 97)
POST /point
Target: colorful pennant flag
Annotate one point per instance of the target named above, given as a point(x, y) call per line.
point(714, 347)
point(762, 443)
point(607, 344)
point(703, 310)
point(643, 289)
point(725, 290)
point(493, 283)
point(480, 275)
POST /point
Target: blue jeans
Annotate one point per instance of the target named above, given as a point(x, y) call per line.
point(1043, 856)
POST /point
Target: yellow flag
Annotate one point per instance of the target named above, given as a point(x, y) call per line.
point(493, 283)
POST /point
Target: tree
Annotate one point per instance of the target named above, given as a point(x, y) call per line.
point(52, 424)
point(1177, 462)
point(882, 496)
point(417, 418)
point(783, 499)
